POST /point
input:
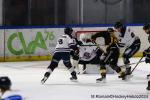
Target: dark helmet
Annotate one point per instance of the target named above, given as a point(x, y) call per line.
point(5, 82)
point(68, 30)
point(110, 29)
point(146, 26)
point(118, 25)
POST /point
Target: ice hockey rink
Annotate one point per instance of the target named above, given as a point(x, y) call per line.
point(26, 77)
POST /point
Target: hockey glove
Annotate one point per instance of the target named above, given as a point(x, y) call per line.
point(88, 40)
point(147, 59)
point(145, 52)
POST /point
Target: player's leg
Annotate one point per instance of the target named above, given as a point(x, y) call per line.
point(54, 63)
point(148, 85)
point(129, 52)
point(75, 64)
point(147, 57)
point(75, 58)
point(99, 52)
point(103, 61)
point(84, 69)
point(113, 63)
point(96, 60)
point(103, 74)
point(147, 60)
point(71, 69)
point(67, 63)
point(120, 71)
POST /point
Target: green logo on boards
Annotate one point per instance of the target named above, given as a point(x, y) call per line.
point(24, 48)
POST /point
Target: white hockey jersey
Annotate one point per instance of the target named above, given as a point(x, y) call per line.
point(64, 43)
point(11, 95)
point(128, 38)
point(87, 52)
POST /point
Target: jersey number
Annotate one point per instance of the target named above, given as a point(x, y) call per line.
point(60, 41)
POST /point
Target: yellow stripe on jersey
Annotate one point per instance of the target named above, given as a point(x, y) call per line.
point(114, 39)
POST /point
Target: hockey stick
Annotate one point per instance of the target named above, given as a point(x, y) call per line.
point(136, 64)
point(131, 63)
point(92, 45)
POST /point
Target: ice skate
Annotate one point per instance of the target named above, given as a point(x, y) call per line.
point(148, 88)
point(148, 76)
point(46, 75)
point(128, 71)
point(102, 79)
point(74, 77)
point(84, 69)
point(123, 76)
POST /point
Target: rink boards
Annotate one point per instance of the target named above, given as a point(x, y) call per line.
point(27, 44)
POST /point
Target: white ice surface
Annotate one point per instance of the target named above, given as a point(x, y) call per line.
point(26, 77)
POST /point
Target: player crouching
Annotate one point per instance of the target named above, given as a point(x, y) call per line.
point(89, 52)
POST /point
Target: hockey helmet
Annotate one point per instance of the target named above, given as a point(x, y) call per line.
point(85, 37)
point(146, 26)
point(118, 25)
point(5, 82)
point(68, 30)
point(110, 30)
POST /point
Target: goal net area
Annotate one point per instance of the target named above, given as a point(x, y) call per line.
point(99, 41)
point(78, 33)
point(91, 68)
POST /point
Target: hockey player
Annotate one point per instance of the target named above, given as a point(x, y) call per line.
point(5, 89)
point(89, 52)
point(105, 34)
point(111, 56)
point(146, 52)
point(62, 52)
point(129, 41)
point(75, 54)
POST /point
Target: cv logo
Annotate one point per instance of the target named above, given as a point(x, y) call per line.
point(24, 48)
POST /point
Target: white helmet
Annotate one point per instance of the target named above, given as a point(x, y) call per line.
point(84, 37)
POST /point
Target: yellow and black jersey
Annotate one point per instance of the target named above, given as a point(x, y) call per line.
point(109, 37)
point(114, 39)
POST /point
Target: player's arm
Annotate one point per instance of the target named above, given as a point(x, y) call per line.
point(99, 34)
point(73, 46)
point(78, 42)
point(72, 43)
